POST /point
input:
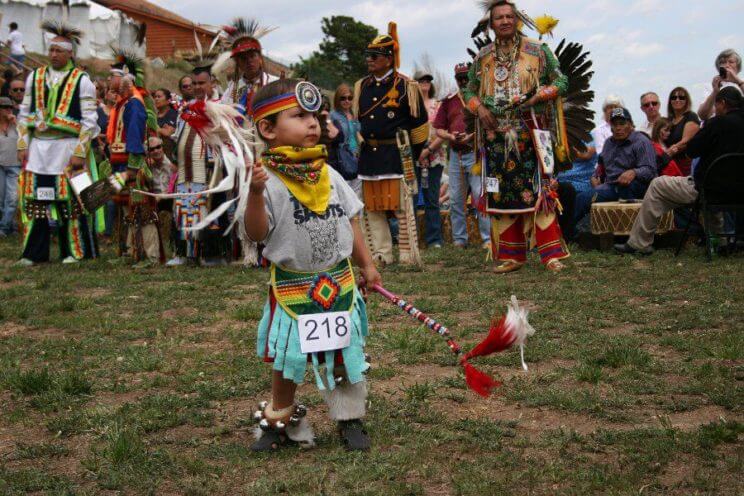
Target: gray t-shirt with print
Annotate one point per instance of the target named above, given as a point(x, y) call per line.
point(301, 240)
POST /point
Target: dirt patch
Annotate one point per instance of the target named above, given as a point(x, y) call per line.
point(175, 313)
point(12, 329)
point(11, 284)
point(626, 329)
point(688, 421)
point(92, 292)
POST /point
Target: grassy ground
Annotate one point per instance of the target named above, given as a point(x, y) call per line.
point(121, 382)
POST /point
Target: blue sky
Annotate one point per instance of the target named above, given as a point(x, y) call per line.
point(636, 45)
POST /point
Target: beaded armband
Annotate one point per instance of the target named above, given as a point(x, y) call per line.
point(83, 145)
point(547, 93)
point(23, 135)
point(473, 104)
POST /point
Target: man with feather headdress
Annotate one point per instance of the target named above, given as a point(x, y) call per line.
point(56, 125)
point(127, 134)
point(246, 62)
point(198, 171)
point(245, 55)
point(514, 84)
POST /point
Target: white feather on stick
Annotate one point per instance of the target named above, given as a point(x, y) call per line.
point(516, 322)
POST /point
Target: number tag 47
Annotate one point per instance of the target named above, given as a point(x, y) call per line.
point(324, 331)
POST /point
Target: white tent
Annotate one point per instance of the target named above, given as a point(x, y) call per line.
point(102, 27)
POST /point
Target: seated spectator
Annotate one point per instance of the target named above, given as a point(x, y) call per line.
point(650, 105)
point(582, 170)
point(572, 182)
point(626, 166)
point(665, 165)
point(720, 135)
point(685, 123)
point(602, 132)
point(17, 91)
point(727, 63)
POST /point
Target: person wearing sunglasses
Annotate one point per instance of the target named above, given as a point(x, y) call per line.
point(186, 87)
point(10, 168)
point(347, 163)
point(651, 106)
point(17, 92)
point(685, 125)
point(391, 109)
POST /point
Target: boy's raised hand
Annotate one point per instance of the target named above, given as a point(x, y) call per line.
point(260, 176)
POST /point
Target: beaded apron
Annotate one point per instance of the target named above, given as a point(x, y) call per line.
point(302, 293)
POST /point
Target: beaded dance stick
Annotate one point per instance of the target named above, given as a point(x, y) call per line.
point(511, 329)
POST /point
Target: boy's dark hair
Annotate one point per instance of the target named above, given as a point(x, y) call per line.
point(272, 90)
point(13, 26)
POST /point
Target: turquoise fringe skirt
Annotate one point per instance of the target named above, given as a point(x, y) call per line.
point(279, 342)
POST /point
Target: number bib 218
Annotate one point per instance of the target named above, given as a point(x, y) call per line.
point(324, 331)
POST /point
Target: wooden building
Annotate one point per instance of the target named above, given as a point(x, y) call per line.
point(167, 33)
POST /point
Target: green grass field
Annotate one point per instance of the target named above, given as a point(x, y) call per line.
point(115, 381)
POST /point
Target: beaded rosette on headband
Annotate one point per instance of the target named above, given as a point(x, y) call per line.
point(306, 96)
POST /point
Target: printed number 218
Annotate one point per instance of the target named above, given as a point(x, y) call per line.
point(340, 324)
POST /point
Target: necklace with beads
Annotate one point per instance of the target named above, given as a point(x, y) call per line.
point(505, 58)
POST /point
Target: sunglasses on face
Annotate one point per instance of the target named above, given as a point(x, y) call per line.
point(18, 90)
point(650, 104)
point(346, 98)
point(373, 55)
point(681, 98)
point(186, 87)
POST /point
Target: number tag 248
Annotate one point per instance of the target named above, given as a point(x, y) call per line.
point(324, 331)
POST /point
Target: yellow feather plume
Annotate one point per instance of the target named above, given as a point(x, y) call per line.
point(545, 24)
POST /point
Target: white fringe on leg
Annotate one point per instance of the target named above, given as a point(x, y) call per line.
point(347, 401)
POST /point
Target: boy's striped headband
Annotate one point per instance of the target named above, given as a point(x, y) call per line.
point(306, 96)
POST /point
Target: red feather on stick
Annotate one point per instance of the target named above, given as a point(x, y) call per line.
point(513, 328)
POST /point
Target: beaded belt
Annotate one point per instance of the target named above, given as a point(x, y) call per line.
point(301, 293)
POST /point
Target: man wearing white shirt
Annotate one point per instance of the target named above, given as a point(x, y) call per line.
point(56, 125)
point(15, 42)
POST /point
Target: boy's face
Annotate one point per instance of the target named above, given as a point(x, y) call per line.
point(294, 127)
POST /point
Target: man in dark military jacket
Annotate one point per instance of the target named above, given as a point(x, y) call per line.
point(384, 102)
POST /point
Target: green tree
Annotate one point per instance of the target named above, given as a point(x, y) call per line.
point(340, 56)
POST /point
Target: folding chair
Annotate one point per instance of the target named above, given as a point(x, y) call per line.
point(722, 190)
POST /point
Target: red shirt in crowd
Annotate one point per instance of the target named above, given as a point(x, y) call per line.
point(451, 118)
